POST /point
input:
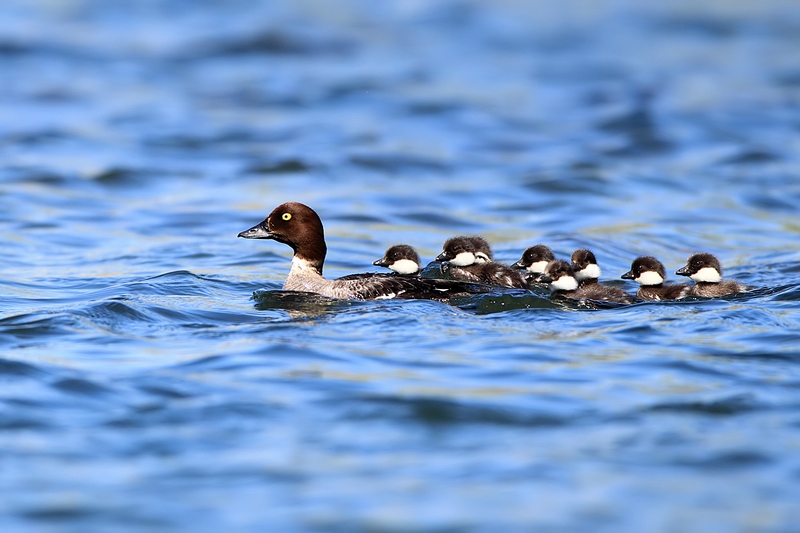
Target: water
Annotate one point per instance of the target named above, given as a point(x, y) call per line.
point(144, 389)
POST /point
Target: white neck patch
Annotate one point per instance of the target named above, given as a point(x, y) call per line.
point(300, 265)
point(404, 266)
point(707, 275)
point(564, 283)
point(590, 272)
point(463, 259)
point(649, 278)
point(537, 267)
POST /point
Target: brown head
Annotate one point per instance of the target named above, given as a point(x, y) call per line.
point(297, 225)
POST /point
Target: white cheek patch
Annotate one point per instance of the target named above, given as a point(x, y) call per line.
point(404, 266)
point(707, 275)
point(537, 267)
point(564, 283)
point(463, 259)
point(649, 278)
point(481, 257)
point(590, 272)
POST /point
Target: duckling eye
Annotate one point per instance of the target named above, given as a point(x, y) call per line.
point(286, 216)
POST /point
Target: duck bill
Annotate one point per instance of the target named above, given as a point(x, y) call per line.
point(442, 258)
point(259, 231)
point(383, 262)
point(518, 264)
point(627, 275)
point(682, 271)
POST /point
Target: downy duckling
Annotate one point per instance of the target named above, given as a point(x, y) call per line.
point(561, 278)
point(400, 258)
point(584, 264)
point(706, 271)
point(650, 274)
point(470, 259)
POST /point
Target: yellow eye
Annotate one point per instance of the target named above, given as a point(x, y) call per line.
point(286, 216)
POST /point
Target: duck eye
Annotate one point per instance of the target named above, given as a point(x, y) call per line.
point(286, 216)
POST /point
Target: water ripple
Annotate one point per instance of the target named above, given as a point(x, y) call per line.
point(156, 377)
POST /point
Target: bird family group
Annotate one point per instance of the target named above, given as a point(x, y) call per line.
point(467, 267)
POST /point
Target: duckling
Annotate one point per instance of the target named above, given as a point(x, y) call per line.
point(584, 264)
point(400, 258)
point(706, 271)
point(470, 259)
point(561, 278)
point(650, 274)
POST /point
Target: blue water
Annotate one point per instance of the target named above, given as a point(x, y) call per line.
point(143, 389)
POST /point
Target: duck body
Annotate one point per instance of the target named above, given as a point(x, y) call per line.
point(491, 273)
point(721, 288)
point(667, 291)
